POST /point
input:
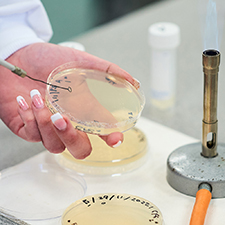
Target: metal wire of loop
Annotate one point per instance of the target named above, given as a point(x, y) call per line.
point(53, 85)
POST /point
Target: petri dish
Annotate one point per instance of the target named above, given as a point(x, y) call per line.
point(111, 209)
point(96, 102)
point(104, 160)
point(38, 192)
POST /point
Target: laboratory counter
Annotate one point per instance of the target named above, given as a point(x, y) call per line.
point(124, 42)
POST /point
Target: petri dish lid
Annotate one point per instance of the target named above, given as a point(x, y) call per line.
point(95, 101)
point(111, 209)
point(39, 192)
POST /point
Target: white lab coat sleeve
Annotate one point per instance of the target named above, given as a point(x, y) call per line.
point(22, 22)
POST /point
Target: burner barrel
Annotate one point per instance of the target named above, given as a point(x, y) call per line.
point(211, 61)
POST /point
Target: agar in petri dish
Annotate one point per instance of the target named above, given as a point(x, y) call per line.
point(96, 102)
point(111, 209)
point(38, 192)
point(104, 160)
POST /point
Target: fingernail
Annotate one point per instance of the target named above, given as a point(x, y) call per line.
point(117, 144)
point(58, 121)
point(37, 99)
point(22, 103)
point(137, 83)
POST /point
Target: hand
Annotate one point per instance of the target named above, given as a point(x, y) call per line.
point(34, 123)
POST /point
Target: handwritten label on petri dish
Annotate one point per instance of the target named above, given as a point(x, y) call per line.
point(112, 209)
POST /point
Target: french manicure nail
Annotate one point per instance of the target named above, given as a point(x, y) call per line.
point(137, 83)
point(37, 99)
point(58, 121)
point(22, 103)
point(117, 144)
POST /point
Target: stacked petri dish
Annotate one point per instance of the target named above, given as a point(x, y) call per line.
point(99, 103)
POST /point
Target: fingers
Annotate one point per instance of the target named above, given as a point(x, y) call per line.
point(76, 141)
point(29, 130)
point(56, 131)
point(93, 62)
point(56, 134)
point(42, 115)
point(114, 69)
point(114, 140)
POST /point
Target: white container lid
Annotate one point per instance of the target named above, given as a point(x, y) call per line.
point(164, 35)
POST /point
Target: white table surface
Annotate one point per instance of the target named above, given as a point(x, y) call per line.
point(148, 181)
